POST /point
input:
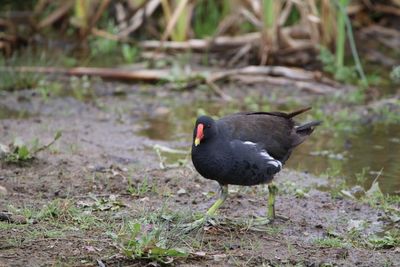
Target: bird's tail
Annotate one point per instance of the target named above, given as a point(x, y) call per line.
point(297, 112)
point(303, 131)
point(307, 128)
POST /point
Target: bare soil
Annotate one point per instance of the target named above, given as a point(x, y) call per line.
point(103, 151)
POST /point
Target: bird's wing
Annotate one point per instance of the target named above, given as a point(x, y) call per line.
point(271, 131)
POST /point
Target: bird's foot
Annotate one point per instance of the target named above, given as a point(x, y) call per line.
point(204, 221)
point(262, 223)
point(262, 220)
point(258, 224)
point(188, 227)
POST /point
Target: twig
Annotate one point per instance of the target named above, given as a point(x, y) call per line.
point(291, 73)
point(310, 86)
point(170, 150)
point(221, 42)
point(117, 74)
point(68, 239)
point(27, 242)
point(387, 9)
point(377, 29)
point(139, 16)
point(306, 80)
point(105, 34)
point(173, 20)
point(242, 52)
point(104, 4)
point(218, 90)
point(100, 10)
point(56, 137)
point(56, 15)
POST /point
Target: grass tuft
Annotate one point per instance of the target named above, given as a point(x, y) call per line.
point(153, 237)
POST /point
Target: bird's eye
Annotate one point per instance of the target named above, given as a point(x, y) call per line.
point(208, 126)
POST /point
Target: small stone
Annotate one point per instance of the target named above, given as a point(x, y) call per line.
point(355, 225)
point(145, 199)
point(219, 257)
point(3, 191)
point(181, 192)
point(4, 150)
point(162, 111)
point(200, 253)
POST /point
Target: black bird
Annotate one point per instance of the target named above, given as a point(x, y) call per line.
point(247, 149)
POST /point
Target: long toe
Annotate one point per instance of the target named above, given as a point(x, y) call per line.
point(258, 224)
point(188, 227)
point(281, 217)
point(262, 221)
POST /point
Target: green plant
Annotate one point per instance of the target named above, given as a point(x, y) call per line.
point(18, 151)
point(389, 204)
point(56, 209)
point(141, 188)
point(100, 46)
point(341, 35)
point(150, 237)
point(82, 88)
point(335, 67)
point(101, 203)
point(177, 21)
point(362, 176)
point(12, 80)
point(129, 53)
point(395, 74)
point(292, 188)
point(48, 88)
point(390, 239)
point(330, 242)
point(207, 16)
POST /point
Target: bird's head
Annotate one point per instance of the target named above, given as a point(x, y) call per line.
point(204, 129)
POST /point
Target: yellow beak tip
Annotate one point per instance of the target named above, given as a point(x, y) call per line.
point(197, 142)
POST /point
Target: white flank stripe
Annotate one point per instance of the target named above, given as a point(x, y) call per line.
point(249, 143)
point(265, 155)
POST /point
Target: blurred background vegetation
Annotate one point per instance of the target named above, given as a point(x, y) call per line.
point(323, 35)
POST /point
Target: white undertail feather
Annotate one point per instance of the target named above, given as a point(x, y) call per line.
point(270, 159)
point(265, 155)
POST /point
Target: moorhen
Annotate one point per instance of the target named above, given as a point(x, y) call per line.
point(247, 149)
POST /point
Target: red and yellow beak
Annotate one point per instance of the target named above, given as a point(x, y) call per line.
point(199, 134)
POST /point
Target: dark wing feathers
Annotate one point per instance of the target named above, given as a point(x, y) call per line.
point(281, 114)
point(273, 131)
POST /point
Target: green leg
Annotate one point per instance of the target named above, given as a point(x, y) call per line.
point(211, 211)
point(222, 197)
point(271, 200)
point(262, 221)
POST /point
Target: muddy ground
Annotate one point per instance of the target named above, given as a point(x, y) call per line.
point(67, 206)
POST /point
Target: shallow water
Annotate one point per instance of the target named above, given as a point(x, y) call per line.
point(359, 156)
point(370, 152)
